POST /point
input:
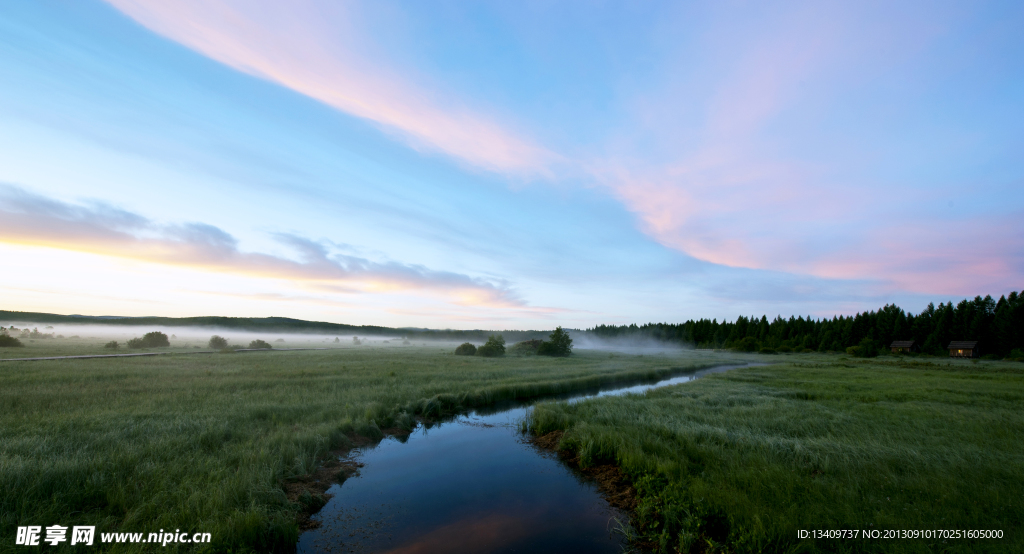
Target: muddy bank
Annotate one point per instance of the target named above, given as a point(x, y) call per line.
point(614, 485)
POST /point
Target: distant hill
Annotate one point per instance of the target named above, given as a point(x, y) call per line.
point(279, 324)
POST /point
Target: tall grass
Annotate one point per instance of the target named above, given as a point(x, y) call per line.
point(202, 443)
point(741, 461)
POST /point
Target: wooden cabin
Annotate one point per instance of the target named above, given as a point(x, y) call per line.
point(904, 347)
point(963, 349)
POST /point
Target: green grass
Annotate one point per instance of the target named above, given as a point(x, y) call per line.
point(741, 461)
point(201, 443)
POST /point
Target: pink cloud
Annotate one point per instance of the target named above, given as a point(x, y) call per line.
point(958, 256)
point(776, 219)
point(314, 48)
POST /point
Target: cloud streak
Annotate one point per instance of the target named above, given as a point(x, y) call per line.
point(312, 48)
point(34, 220)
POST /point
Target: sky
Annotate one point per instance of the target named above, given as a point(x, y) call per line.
point(506, 165)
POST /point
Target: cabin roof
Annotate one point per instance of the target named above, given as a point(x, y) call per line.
point(901, 344)
point(963, 344)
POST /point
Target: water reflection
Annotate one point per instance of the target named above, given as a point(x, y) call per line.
point(472, 484)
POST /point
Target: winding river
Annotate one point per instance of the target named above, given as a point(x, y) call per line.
point(472, 484)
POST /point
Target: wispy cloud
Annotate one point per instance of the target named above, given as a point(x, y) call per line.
point(31, 219)
point(730, 184)
point(312, 48)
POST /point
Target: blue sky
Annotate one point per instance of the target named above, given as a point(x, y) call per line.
point(494, 165)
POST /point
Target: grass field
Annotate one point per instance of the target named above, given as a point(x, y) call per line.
point(202, 443)
point(740, 461)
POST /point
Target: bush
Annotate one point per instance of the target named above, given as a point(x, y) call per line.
point(493, 348)
point(217, 342)
point(526, 347)
point(356, 341)
point(155, 339)
point(113, 345)
point(785, 349)
point(866, 349)
point(7, 341)
point(465, 349)
point(748, 344)
point(559, 344)
point(260, 344)
point(767, 351)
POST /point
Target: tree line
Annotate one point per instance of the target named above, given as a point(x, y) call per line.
point(273, 324)
point(998, 326)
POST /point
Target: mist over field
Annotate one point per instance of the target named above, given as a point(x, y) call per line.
point(71, 339)
point(631, 344)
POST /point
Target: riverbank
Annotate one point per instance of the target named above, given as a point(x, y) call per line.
point(742, 461)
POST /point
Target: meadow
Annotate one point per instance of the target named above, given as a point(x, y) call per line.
point(204, 443)
point(741, 461)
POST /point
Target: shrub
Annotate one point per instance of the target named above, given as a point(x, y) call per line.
point(493, 348)
point(559, 344)
point(785, 349)
point(526, 347)
point(748, 344)
point(465, 349)
point(113, 345)
point(866, 349)
point(217, 342)
point(7, 341)
point(767, 351)
point(260, 344)
point(356, 341)
point(154, 339)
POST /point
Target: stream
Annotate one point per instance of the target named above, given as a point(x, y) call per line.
point(473, 483)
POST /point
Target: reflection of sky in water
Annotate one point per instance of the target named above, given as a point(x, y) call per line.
point(469, 485)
